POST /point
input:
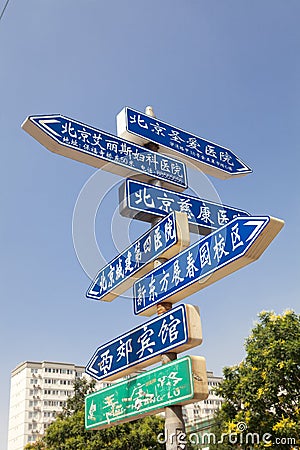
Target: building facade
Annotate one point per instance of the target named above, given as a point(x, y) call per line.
point(39, 390)
point(205, 409)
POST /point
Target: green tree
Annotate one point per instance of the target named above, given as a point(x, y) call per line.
point(39, 445)
point(68, 432)
point(262, 393)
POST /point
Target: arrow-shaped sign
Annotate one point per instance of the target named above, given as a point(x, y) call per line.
point(226, 250)
point(164, 240)
point(179, 382)
point(178, 330)
point(195, 151)
point(145, 202)
point(97, 148)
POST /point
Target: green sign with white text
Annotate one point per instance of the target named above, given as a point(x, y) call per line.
point(141, 395)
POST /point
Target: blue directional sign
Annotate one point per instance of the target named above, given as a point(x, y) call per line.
point(165, 239)
point(195, 151)
point(97, 148)
point(144, 202)
point(226, 250)
point(178, 330)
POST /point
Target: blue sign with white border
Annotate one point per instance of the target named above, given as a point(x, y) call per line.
point(143, 345)
point(195, 151)
point(231, 247)
point(81, 142)
point(166, 238)
point(144, 202)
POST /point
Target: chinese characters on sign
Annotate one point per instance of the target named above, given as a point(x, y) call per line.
point(166, 239)
point(207, 156)
point(100, 149)
point(180, 382)
point(178, 330)
point(226, 250)
point(144, 201)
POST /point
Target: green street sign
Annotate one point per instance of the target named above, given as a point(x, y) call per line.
point(181, 382)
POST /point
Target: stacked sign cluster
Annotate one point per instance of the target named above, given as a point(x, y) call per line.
point(232, 238)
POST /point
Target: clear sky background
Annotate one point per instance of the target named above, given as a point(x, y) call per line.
point(228, 71)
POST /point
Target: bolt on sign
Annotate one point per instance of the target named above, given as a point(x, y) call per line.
point(145, 202)
point(87, 144)
point(195, 151)
point(166, 239)
point(237, 244)
point(177, 330)
point(180, 382)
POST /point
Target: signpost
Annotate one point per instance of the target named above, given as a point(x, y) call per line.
point(238, 240)
point(178, 383)
point(86, 144)
point(144, 202)
point(207, 156)
point(177, 330)
point(166, 239)
point(228, 249)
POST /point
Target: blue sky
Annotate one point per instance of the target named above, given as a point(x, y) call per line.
point(226, 71)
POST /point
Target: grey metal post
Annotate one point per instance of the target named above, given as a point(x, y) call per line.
point(174, 423)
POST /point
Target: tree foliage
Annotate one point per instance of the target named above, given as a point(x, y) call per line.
point(68, 432)
point(262, 393)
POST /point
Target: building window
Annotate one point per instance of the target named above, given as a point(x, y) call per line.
point(33, 402)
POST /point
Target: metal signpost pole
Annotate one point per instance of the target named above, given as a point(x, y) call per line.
point(174, 423)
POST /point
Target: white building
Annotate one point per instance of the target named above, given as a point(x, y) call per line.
point(206, 408)
point(38, 391)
